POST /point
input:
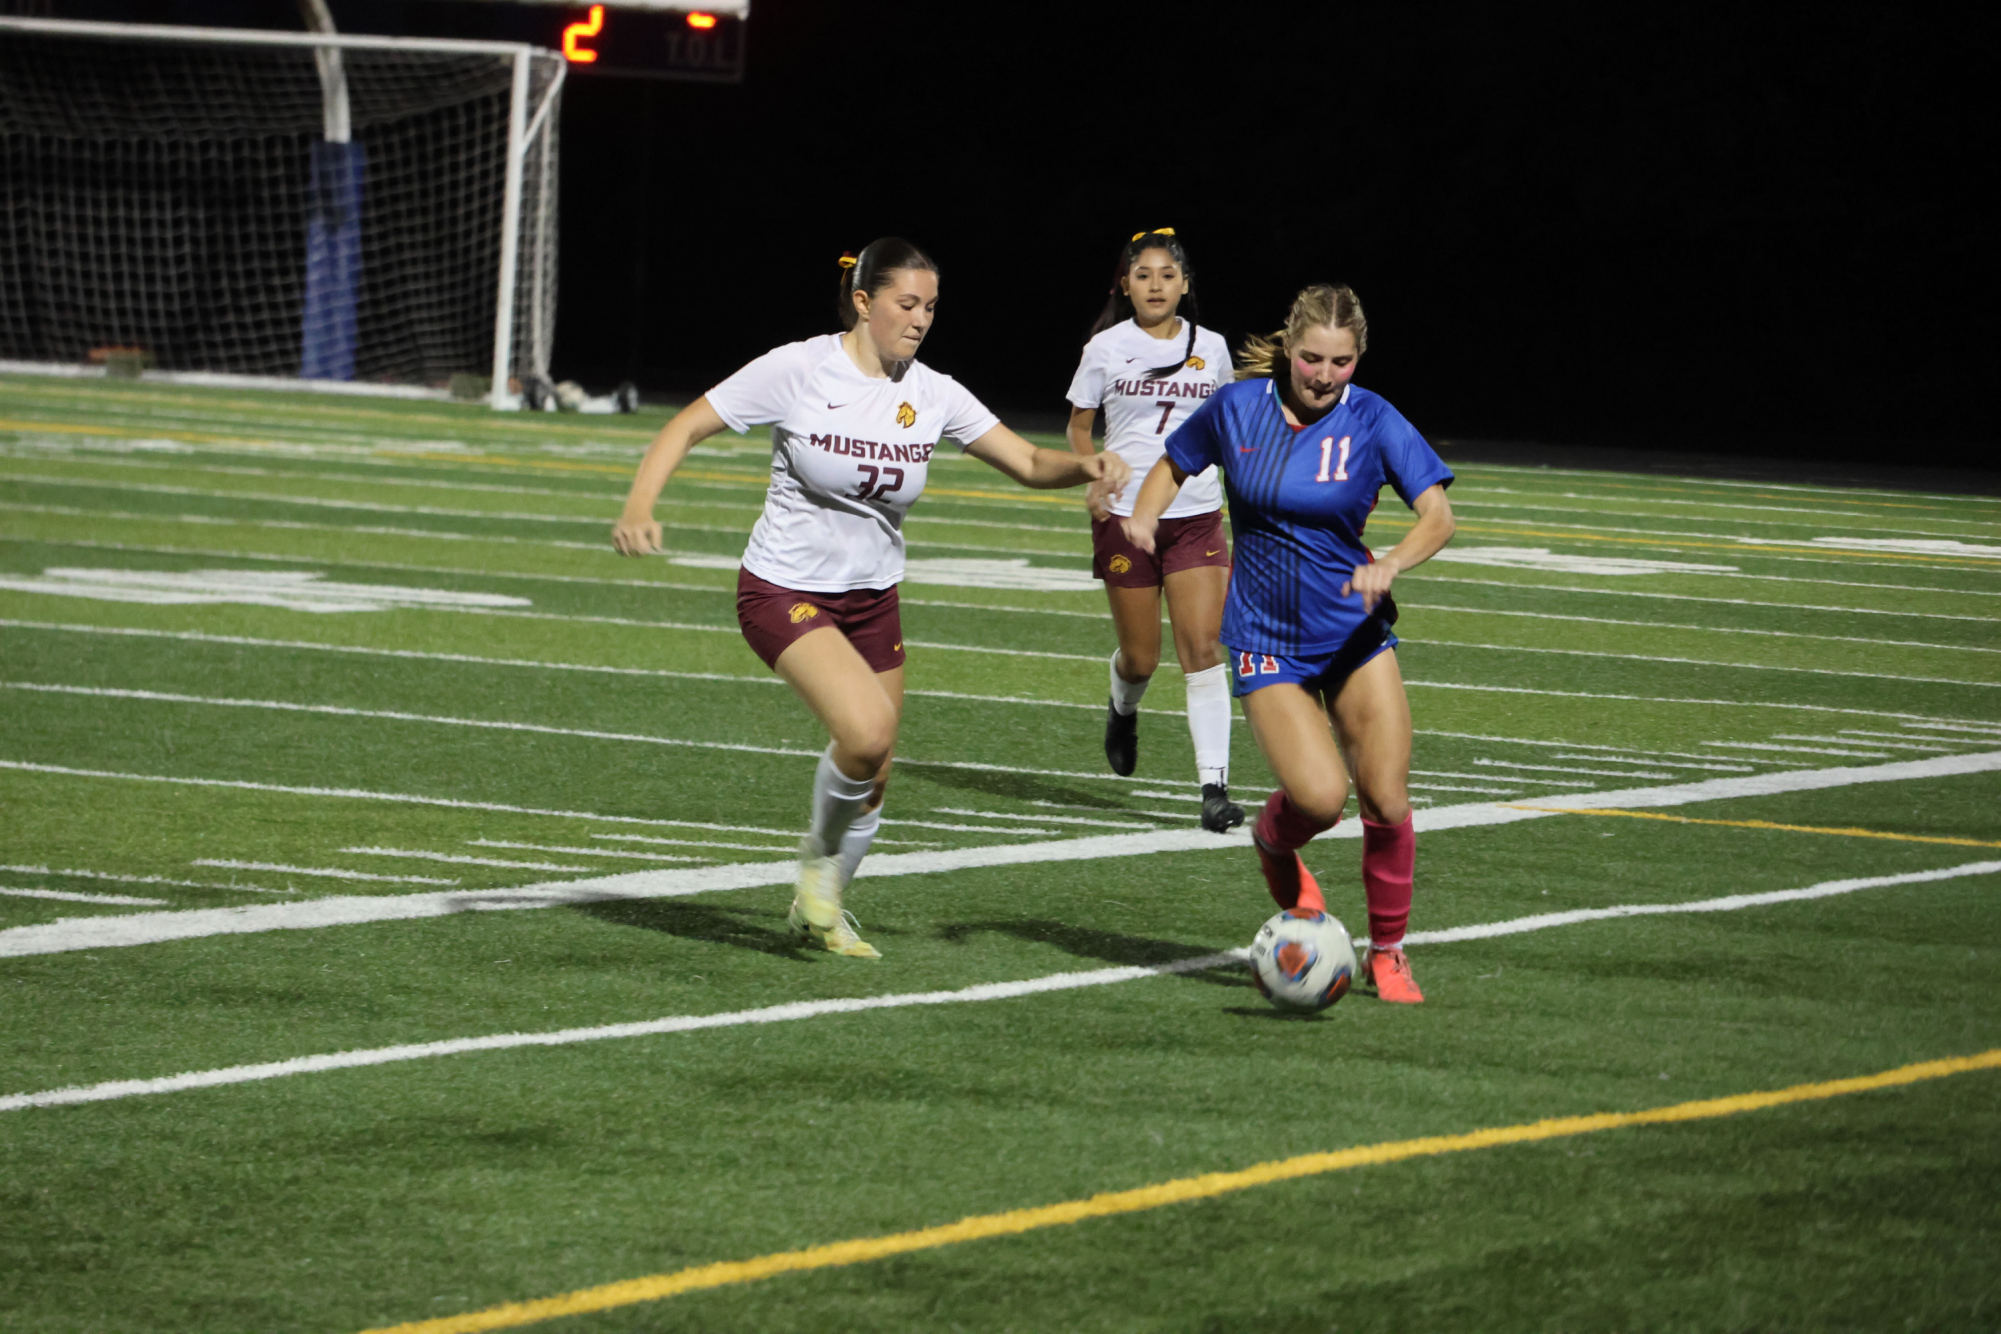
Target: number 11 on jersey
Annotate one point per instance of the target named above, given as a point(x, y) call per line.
point(1327, 455)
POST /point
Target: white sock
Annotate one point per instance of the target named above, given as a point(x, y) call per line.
point(1209, 723)
point(855, 843)
point(837, 800)
point(1126, 694)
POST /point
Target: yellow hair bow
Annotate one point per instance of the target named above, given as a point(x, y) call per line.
point(848, 261)
point(1154, 231)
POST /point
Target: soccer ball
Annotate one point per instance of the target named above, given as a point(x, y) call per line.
point(1302, 960)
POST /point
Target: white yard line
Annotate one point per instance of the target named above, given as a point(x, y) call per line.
point(608, 499)
point(1478, 501)
point(74, 873)
point(459, 859)
point(326, 872)
point(358, 794)
point(242, 1074)
point(1901, 613)
point(1852, 753)
point(1661, 534)
point(1617, 755)
point(1848, 732)
point(1539, 782)
point(1037, 818)
point(1729, 903)
point(196, 636)
point(1011, 832)
point(1453, 787)
point(592, 852)
point(591, 734)
point(312, 914)
point(484, 572)
point(1710, 662)
point(1660, 625)
point(702, 843)
point(1565, 769)
point(114, 1090)
point(1537, 472)
point(1978, 729)
point(1854, 741)
point(70, 896)
point(450, 535)
point(1670, 764)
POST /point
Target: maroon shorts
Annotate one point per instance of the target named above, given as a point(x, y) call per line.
point(1178, 544)
point(773, 617)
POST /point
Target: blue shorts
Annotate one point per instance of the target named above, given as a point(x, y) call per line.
point(1323, 674)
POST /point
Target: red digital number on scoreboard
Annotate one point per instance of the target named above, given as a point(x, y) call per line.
point(574, 50)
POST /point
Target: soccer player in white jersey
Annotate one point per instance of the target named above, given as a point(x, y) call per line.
point(855, 418)
point(1149, 364)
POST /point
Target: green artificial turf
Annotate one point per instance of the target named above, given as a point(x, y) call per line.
point(349, 1199)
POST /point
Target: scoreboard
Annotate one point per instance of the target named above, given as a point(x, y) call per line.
point(680, 39)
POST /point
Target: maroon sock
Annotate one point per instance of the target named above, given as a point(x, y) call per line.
point(1283, 827)
point(1389, 856)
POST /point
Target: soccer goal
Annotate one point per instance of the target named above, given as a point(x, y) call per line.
point(369, 213)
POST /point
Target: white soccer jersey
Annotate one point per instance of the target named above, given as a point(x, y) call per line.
point(848, 456)
point(1140, 413)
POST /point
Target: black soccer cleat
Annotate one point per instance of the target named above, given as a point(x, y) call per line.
point(626, 397)
point(1122, 740)
point(1219, 814)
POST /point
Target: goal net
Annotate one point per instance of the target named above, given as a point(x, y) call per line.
point(329, 208)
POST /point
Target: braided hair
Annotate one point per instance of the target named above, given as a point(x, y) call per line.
point(1120, 306)
point(1332, 305)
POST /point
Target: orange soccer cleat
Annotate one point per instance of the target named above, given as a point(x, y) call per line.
point(1389, 971)
point(1286, 876)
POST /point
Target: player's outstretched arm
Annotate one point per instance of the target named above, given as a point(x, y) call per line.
point(635, 533)
point(1078, 433)
point(1049, 469)
point(1163, 483)
point(1427, 537)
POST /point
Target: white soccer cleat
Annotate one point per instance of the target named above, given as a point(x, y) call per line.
point(843, 940)
point(816, 910)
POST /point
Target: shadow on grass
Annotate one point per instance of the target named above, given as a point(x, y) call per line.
point(1273, 1012)
point(1022, 787)
point(1106, 946)
point(744, 928)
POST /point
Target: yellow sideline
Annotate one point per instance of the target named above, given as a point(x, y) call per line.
point(1767, 824)
point(512, 1315)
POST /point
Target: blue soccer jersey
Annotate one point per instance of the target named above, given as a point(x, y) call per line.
point(1299, 497)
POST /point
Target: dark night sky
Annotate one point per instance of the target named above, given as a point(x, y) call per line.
point(1714, 227)
point(1703, 226)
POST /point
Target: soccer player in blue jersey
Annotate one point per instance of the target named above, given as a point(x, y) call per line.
point(1304, 453)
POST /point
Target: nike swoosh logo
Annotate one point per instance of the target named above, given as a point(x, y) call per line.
point(1131, 360)
point(1211, 553)
point(835, 407)
point(1246, 449)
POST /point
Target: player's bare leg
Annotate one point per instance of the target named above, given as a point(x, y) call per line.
point(1195, 609)
point(1372, 718)
point(1136, 619)
point(860, 709)
point(1292, 730)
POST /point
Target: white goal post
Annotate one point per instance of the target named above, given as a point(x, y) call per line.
point(319, 210)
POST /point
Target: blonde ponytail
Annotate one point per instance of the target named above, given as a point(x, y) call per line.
point(1323, 305)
